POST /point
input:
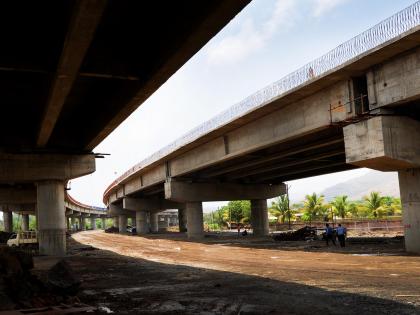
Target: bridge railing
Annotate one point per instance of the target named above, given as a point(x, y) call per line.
point(385, 31)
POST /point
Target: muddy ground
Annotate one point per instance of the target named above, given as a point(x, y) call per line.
point(166, 274)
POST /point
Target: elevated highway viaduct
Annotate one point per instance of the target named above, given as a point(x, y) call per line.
point(23, 202)
point(71, 71)
point(357, 106)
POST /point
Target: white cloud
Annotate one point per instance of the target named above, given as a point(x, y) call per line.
point(250, 38)
point(322, 7)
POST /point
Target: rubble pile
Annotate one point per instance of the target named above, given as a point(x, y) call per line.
point(302, 234)
point(19, 288)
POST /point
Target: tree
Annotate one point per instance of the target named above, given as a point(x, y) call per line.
point(313, 205)
point(280, 208)
point(374, 204)
point(341, 206)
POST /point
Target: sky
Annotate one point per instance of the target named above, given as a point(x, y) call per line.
point(263, 43)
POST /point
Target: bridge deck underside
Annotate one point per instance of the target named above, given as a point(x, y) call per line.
point(314, 154)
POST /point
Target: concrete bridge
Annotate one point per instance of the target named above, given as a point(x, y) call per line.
point(71, 71)
point(357, 106)
point(24, 203)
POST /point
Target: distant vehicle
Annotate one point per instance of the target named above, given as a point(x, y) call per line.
point(23, 239)
point(131, 229)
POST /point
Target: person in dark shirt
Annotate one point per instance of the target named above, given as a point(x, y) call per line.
point(341, 235)
point(329, 234)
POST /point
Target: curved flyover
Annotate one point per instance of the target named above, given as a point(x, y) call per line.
point(346, 109)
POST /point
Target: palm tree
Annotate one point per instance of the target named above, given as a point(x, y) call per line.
point(313, 205)
point(374, 203)
point(341, 205)
point(280, 208)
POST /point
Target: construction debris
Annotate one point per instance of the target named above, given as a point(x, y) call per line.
point(302, 234)
point(21, 289)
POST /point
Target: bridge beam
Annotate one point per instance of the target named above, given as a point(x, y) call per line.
point(150, 204)
point(198, 192)
point(391, 143)
point(85, 19)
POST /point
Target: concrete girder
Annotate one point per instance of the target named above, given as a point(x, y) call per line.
point(198, 192)
point(85, 19)
point(40, 167)
point(114, 211)
point(150, 204)
point(383, 143)
point(13, 195)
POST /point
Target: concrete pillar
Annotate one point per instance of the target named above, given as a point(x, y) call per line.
point(68, 223)
point(141, 223)
point(154, 223)
point(8, 221)
point(73, 223)
point(182, 220)
point(82, 222)
point(410, 199)
point(122, 220)
point(93, 223)
point(116, 222)
point(259, 217)
point(51, 216)
point(25, 222)
point(195, 219)
point(104, 223)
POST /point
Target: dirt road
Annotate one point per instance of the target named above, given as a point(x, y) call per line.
point(166, 274)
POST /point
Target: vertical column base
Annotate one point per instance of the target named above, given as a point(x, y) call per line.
point(259, 217)
point(122, 220)
point(52, 242)
point(51, 218)
point(410, 198)
point(195, 220)
point(141, 223)
point(25, 222)
point(8, 221)
point(154, 223)
point(182, 221)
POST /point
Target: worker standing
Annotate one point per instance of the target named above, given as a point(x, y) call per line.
point(329, 234)
point(341, 235)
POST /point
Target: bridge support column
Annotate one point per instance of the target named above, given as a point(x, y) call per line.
point(410, 199)
point(8, 221)
point(141, 223)
point(103, 223)
point(25, 222)
point(154, 223)
point(116, 223)
point(51, 216)
point(182, 220)
point(195, 220)
point(73, 224)
point(122, 224)
point(93, 222)
point(82, 223)
point(391, 143)
point(259, 217)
